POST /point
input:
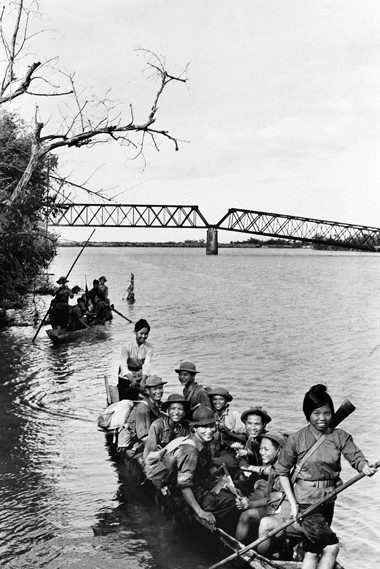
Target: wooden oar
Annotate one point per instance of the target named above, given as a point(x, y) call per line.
point(299, 518)
point(264, 562)
point(71, 268)
point(120, 314)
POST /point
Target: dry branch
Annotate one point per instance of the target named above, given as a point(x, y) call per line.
point(79, 128)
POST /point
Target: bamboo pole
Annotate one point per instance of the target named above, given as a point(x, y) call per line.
point(71, 268)
point(299, 518)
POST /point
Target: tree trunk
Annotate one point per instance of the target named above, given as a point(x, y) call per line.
point(27, 174)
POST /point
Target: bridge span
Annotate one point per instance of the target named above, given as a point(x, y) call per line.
point(275, 225)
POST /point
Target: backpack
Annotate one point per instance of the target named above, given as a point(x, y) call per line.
point(116, 415)
point(160, 464)
point(126, 434)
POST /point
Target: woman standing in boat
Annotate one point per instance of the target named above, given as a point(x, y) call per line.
point(318, 475)
point(136, 359)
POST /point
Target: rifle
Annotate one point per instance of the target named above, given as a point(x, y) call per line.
point(342, 413)
point(225, 481)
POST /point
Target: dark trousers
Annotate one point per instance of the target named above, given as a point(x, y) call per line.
point(126, 391)
point(223, 506)
point(318, 533)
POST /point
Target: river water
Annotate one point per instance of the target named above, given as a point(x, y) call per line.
point(265, 323)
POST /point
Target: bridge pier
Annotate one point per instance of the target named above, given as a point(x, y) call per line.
point(212, 241)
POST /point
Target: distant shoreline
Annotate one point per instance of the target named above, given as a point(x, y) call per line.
point(186, 244)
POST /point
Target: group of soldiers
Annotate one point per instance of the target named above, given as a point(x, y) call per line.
point(92, 308)
point(212, 442)
point(234, 473)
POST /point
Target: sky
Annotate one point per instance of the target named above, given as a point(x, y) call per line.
point(280, 111)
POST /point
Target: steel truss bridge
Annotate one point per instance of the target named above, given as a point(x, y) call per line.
point(273, 225)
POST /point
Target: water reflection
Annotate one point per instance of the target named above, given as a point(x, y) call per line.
point(265, 325)
point(144, 525)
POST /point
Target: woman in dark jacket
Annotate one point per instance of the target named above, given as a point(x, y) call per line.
point(318, 476)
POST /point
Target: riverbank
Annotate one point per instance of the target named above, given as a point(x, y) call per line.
point(23, 309)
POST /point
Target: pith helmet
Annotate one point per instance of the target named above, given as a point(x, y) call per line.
point(154, 381)
point(256, 411)
point(62, 280)
point(273, 436)
point(176, 398)
point(203, 416)
point(220, 391)
point(187, 366)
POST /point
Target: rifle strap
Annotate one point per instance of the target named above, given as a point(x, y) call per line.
point(298, 467)
point(175, 443)
point(312, 449)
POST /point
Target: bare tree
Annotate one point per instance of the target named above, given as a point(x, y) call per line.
point(87, 120)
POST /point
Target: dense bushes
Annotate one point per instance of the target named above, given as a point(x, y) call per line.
point(26, 246)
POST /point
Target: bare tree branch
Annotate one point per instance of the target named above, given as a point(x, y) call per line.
point(94, 120)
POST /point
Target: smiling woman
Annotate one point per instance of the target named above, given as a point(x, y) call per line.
point(135, 364)
point(319, 475)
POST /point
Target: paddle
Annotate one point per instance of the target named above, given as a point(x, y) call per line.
point(71, 268)
point(120, 314)
point(264, 562)
point(299, 518)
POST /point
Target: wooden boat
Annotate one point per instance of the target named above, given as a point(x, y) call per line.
point(218, 541)
point(73, 335)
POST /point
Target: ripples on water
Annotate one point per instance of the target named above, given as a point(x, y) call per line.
point(266, 324)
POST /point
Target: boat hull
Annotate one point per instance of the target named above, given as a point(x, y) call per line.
point(74, 335)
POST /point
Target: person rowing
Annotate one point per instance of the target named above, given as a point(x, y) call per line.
point(318, 476)
point(59, 307)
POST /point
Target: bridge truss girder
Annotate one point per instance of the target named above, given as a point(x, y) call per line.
point(303, 229)
point(110, 215)
point(300, 229)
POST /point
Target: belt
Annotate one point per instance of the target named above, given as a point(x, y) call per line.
point(134, 368)
point(316, 483)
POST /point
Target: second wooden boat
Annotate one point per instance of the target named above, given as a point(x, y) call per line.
point(73, 335)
